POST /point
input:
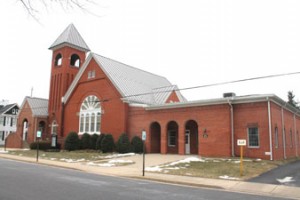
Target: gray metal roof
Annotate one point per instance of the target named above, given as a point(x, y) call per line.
point(5, 108)
point(70, 36)
point(135, 85)
point(228, 100)
point(39, 107)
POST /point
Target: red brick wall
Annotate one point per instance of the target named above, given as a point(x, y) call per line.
point(13, 140)
point(61, 78)
point(114, 117)
point(214, 119)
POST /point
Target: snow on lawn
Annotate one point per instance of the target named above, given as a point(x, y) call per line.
point(167, 166)
point(119, 155)
point(111, 163)
point(2, 151)
point(228, 177)
point(71, 160)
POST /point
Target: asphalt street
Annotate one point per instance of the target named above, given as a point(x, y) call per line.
point(288, 175)
point(24, 181)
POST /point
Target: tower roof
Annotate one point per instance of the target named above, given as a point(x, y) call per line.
point(70, 36)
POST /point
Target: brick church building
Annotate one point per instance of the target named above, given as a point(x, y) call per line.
point(91, 94)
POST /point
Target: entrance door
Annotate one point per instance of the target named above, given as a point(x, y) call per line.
point(187, 142)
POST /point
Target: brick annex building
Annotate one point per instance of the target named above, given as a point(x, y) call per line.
point(91, 94)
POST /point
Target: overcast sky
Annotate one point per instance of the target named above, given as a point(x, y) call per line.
point(192, 43)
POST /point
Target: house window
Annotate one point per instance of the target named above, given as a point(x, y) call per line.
point(276, 137)
point(11, 122)
point(90, 116)
point(91, 74)
point(253, 137)
point(2, 135)
point(172, 138)
point(291, 138)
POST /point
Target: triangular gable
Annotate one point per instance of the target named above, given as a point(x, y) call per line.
point(7, 108)
point(38, 106)
point(134, 85)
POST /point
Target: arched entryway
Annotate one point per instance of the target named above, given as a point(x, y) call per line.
point(25, 129)
point(191, 137)
point(155, 132)
point(172, 137)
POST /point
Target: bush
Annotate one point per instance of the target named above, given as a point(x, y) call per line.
point(123, 144)
point(43, 145)
point(99, 140)
point(137, 144)
point(93, 141)
point(85, 141)
point(107, 143)
point(72, 142)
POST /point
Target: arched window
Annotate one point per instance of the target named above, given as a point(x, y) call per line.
point(90, 116)
point(75, 60)
point(58, 60)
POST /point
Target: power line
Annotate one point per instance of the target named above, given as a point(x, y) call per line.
point(196, 87)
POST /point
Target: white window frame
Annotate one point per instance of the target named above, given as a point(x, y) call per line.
point(170, 137)
point(90, 110)
point(249, 139)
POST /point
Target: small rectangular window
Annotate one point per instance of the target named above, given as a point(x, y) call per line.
point(172, 138)
point(276, 137)
point(291, 138)
point(253, 137)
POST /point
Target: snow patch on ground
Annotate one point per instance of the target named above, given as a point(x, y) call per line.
point(2, 151)
point(167, 167)
point(71, 160)
point(119, 155)
point(110, 163)
point(228, 177)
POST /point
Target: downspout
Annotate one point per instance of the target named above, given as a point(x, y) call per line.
point(295, 131)
point(62, 121)
point(283, 133)
point(232, 128)
point(270, 129)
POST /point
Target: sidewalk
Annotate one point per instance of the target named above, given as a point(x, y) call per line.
point(135, 171)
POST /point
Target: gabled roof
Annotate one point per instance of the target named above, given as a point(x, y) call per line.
point(39, 107)
point(70, 36)
point(6, 108)
point(134, 85)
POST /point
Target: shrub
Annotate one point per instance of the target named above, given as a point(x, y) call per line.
point(85, 141)
point(43, 145)
point(137, 144)
point(93, 141)
point(123, 144)
point(99, 140)
point(72, 142)
point(107, 143)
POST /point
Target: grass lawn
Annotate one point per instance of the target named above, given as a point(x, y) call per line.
point(228, 168)
point(74, 155)
point(222, 168)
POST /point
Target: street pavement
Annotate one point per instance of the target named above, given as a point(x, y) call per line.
point(288, 175)
point(135, 171)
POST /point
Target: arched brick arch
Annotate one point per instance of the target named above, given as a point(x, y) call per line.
point(191, 137)
point(25, 125)
point(155, 132)
point(172, 137)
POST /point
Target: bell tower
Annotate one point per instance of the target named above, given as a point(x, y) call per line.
point(68, 54)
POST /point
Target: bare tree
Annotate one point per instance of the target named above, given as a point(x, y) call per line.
point(33, 6)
